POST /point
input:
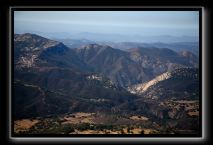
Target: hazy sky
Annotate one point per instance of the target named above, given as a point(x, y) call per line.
point(175, 23)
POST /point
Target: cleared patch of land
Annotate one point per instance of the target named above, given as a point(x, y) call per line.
point(193, 113)
point(24, 124)
point(77, 118)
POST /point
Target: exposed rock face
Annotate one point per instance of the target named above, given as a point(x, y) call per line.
point(140, 88)
point(179, 83)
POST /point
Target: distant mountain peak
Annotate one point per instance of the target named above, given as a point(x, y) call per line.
point(35, 41)
point(26, 36)
point(29, 47)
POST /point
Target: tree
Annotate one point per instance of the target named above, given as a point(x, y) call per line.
point(122, 131)
point(128, 130)
point(142, 131)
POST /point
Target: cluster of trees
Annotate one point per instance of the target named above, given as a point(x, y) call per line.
point(55, 126)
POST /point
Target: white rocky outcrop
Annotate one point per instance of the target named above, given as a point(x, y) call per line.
point(140, 88)
point(94, 77)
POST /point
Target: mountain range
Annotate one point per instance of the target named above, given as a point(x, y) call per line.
point(116, 37)
point(51, 79)
point(175, 46)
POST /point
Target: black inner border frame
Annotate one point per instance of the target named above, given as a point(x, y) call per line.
point(108, 9)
